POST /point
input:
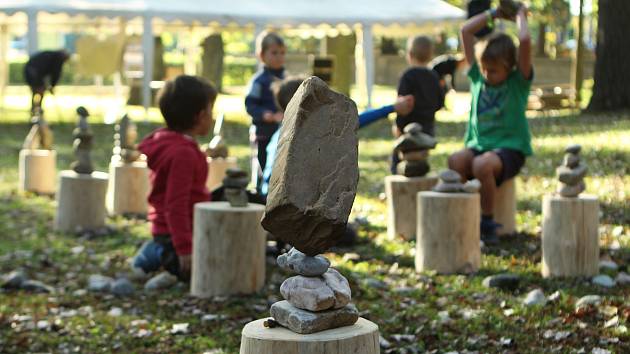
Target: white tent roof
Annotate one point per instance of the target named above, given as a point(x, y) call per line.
point(247, 11)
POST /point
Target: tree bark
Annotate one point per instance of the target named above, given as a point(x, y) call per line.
point(612, 67)
point(541, 42)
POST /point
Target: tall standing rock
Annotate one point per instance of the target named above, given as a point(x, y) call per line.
point(316, 170)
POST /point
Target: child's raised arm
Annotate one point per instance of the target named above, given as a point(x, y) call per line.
point(525, 43)
point(470, 27)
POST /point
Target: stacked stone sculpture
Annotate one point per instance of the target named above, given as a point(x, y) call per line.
point(124, 141)
point(413, 149)
point(310, 198)
point(571, 173)
point(450, 182)
point(40, 136)
point(235, 182)
point(217, 148)
point(82, 144)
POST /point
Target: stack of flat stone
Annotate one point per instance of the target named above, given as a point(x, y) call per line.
point(235, 182)
point(310, 198)
point(316, 299)
point(450, 182)
point(413, 149)
point(217, 147)
point(571, 173)
point(82, 144)
point(125, 139)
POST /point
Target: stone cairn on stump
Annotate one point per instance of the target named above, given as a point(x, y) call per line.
point(235, 182)
point(125, 140)
point(450, 182)
point(82, 144)
point(311, 194)
point(217, 147)
point(40, 136)
point(413, 149)
point(571, 173)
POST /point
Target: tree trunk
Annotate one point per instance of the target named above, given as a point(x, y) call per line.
point(541, 42)
point(612, 67)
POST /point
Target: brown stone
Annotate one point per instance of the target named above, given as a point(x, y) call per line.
point(316, 171)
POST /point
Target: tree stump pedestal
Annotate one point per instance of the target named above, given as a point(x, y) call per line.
point(229, 252)
point(37, 171)
point(505, 207)
point(402, 193)
point(81, 201)
point(216, 170)
point(128, 188)
point(448, 232)
point(362, 337)
point(570, 242)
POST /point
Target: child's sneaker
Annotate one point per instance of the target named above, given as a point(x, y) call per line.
point(489, 232)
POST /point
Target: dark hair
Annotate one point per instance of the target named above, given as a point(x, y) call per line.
point(420, 48)
point(499, 48)
point(266, 40)
point(284, 90)
point(181, 99)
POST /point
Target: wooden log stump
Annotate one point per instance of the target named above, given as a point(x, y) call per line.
point(505, 207)
point(401, 194)
point(128, 188)
point(81, 201)
point(448, 232)
point(216, 170)
point(229, 249)
point(38, 171)
point(362, 337)
point(570, 242)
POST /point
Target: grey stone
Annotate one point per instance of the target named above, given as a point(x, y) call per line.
point(122, 287)
point(588, 300)
point(622, 278)
point(308, 293)
point(472, 186)
point(231, 182)
point(414, 155)
point(604, 281)
point(414, 139)
point(235, 182)
point(568, 191)
point(448, 187)
point(505, 281)
point(573, 149)
point(571, 176)
point(82, 144)
point(571, 160)
point(450, 176)
point(217, 148)
point(609, 265)
point(36, 286)
point(237, 197)
point(413, 168)
point(97, 282)
point(340, 287)
point(124, 140)
point(13, 280)
point(535, 297)
point(315, 177)
point(301, 264)
point(160, 281)
point(305, 322)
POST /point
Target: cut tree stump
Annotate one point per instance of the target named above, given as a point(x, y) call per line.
point(81, 201)
point(570, 241)
point(38, 171)
point(505, 207)
point(402, 193)
point(448, 232)
point(216, 170)
point(229, 249)
point(362, 337)
point(128, 188)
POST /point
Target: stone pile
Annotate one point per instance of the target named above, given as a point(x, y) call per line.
point(235, 182)
point(124, 140)
point(82, 144)
point(40, 136)
point(571, 173)
point(310, 198)
point(450, 182)
point(413, 149)
point(316, 299)
point(217, 147)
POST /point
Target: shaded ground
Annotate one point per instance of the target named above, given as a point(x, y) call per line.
point(415, 312)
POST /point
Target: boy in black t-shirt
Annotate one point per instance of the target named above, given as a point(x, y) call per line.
point(424, 84)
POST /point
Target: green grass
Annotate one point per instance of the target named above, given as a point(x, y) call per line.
point(410, 303)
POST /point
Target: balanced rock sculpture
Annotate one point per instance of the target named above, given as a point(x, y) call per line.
point(413, 149)
point(450, 182)
point(235, 182)
point(125, 139)
point(82, 144)
point(310, 197)
point(571, 173)
point(40, 136)
point(217, 148)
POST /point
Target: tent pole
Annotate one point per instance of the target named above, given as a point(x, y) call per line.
point(148, 49)
point(32, 32)
point(368, 55)
point(4, 62)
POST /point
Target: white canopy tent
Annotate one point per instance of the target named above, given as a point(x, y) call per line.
point(363, 15)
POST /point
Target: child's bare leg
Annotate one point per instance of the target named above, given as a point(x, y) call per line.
point(462, 162)
point(487, 168)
